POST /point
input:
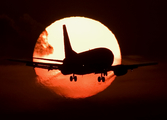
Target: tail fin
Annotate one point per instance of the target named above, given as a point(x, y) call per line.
point(67, 46)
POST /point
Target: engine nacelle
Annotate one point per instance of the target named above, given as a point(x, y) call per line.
point(121, 70)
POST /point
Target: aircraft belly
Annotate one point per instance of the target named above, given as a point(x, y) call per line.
point(76, 69)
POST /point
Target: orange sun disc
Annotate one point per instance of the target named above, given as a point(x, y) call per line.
point(85, 34)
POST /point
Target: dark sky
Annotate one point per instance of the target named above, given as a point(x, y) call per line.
point(139, 26)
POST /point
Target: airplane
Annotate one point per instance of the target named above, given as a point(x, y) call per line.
point(98, 60)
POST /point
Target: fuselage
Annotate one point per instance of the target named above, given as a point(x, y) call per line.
point(92, 61)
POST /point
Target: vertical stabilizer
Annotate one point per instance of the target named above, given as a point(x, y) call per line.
point(67, 46)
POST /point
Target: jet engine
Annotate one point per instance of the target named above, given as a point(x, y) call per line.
point(120, 70)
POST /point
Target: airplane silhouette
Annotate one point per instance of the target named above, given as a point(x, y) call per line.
point(98, 60)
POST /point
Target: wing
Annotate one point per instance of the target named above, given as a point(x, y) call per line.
point(123, 69)
point(139, 65)
point(48, 59)
point(49, 66)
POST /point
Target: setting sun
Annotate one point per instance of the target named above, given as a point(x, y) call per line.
point(84, 34)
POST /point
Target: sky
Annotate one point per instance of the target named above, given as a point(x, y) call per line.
point(140, 28)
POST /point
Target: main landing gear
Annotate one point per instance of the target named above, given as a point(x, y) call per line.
point(101, 78)
point(73, 77)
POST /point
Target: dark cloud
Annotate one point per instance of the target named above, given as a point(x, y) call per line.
point(7, 26)
point(18, 36)
point(28, 26)
point(138, 26)
point(8, 35)
point(139, 94)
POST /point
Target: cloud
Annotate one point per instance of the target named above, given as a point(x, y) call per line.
point(6, 26)
point(42, 46)
point(18, 36)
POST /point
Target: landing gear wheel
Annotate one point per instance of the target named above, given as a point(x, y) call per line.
point(103, 79)
point(75, 78)
point(71, 78)
point(99, 79)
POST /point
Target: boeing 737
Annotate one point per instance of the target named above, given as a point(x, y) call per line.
point(98, 60)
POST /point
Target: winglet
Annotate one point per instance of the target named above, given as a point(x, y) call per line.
point(67, 46)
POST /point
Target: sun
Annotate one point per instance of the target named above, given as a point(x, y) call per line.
point(85, 34)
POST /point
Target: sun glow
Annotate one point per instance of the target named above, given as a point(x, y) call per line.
point(85, 34)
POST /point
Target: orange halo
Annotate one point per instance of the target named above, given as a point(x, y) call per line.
point(84, 34)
